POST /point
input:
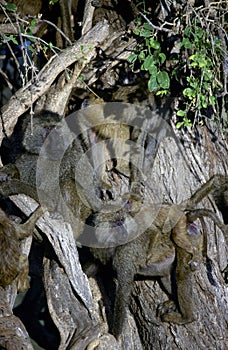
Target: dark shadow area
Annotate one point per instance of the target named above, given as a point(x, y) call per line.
point(33, 311)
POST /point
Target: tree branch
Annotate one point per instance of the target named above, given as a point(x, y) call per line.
point(23, 98)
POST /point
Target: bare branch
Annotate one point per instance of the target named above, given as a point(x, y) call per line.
point(161, 28)
point(27, 95)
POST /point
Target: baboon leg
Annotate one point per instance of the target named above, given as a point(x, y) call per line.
point(184, 292)
point(22, 278)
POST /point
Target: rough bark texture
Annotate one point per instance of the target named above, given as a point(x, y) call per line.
point(209, 291)
point(68, 292)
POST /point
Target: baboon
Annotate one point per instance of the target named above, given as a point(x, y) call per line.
point(135, 255)
point(14, 264)
point(171, 236)
point(91, 149)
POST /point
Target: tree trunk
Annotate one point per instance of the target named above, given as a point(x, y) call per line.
point(77, 309)
point(82, 308)
point(178, 170)
point(178, 180)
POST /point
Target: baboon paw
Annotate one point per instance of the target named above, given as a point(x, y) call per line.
point(165, 308)
point(176, 317)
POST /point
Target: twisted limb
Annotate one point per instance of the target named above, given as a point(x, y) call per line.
point(217, 183)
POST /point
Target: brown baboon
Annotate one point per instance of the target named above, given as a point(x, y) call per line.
point(14, 264)
point(171, 236)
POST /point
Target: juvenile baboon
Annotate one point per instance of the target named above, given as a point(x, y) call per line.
point(14, 264)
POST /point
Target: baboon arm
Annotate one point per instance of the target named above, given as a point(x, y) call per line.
point(159, 268)
point(125, 267)
point(121, 302)
point(13, 187)
point(26, 229)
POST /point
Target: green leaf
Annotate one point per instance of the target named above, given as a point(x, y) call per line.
point(163, 79)
point(11, 38)
point(206, 86)
point(194, 83)
point(199, 60)
point(81, 78)
point(199, 32)
point(190, 93)
point(31, 48)
point(83, 59)
point(187, 122)
point(154, 44)
point(186, 43)
point(208, 75)
point(188, 31)
point(193, 57)
point(145, 33)
point(11, 7)
point(147, 26)
point(181, 113)
point(141, 56)
point(203, 101)
point(33, 24)
point(162, 57)
point(202, 62)
point(179, 125)
point(148, 62)
point(132, 57)
point(136, 31)
point(194, 64)
point(32, 39)
point(162, 92)
point(153, 70)
point(212, 100)
point(152, 84)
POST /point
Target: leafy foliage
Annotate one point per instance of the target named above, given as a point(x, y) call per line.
point(11, 7)
point(202, 86)
point(193, 69)
point(151, 59)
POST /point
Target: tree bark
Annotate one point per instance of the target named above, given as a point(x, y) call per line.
point(26, 96)
point(175, 177)
point(175, 166)
point(177, 182)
